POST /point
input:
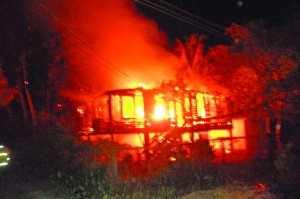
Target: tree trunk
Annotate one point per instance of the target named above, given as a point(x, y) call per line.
point(23, 105)
point(28, 96)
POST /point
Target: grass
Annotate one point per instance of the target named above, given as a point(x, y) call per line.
point(56, 165)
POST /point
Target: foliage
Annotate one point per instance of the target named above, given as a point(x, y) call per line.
point(285, 160)
point(172, 182)
point(255, 72)
point(287, 164)
point(185, 177)
point(45, 151)
point(7, 94)
point(89, 184)
point(76, 175)
point(273, 67)
point(31, 56)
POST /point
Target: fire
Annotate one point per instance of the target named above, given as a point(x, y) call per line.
point(172, 159)
point(80, 110)
point(136, 116)
point(227, 151)
point(159, 109)
point(140, 112)
point(128, 48)
point(159, 112)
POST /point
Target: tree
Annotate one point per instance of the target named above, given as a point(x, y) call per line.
point(32, 59)
point(257, 71)
point(272, 70)
point(194, 71)
point(7, 94)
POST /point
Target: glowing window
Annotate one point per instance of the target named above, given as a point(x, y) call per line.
point(128, 110)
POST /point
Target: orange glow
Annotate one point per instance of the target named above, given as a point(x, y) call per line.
point(131, 112)
point(213, 134)
point(127, 107)
point(159, 109)
point(187, 105)
point(132, 139)
point(80, 110)
point(239, 130)
point(171, 110)
point(139, 107)
point(179, 112)
point(218, 139)
point(160, 139)
point(142, 85)
point(172, 159)
point(147, 47)
point(159, 112)
point(201, 105)
point(221, 139)
point(139, 112)
point(172, 113)
point(186, 137)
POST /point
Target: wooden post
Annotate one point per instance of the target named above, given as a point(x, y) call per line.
point(147, 145)
point(29, 100)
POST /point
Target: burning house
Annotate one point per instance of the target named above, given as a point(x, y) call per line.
point(145, 118)
point(127, 49)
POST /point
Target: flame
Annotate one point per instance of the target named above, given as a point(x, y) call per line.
point(172, 159)
point(80, 110)
point(160, 108)
point(159, 112)
point(127, 48)
point(172, 113)
point(142, 85)
point(140, 112)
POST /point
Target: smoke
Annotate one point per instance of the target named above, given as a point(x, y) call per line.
point(109, 45)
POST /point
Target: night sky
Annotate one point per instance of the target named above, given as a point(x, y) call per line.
point(15, 30)
point(220, 12)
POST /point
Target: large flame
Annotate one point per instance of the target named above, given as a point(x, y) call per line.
point(109, 45)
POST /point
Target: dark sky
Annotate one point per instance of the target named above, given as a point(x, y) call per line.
point(219, 12)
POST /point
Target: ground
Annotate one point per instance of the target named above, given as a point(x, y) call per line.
point(14, 186)
point(236, 190)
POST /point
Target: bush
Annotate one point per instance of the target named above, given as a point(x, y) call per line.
point(176, 180)
point(186, 176)
point(81, 184)
point(59, 153)
point(288, 172)
point(47, 151)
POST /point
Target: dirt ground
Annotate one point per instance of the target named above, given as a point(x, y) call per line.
point(13, 185)
point(235, 191)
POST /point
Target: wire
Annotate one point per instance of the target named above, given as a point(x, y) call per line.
point(193, 15)
point(183, 18)
point(108, 63)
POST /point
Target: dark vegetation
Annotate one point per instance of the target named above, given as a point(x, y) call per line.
point(55, 161)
